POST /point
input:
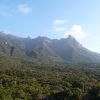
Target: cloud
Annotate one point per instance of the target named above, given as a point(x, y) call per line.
point(59, 22)
point(24, 8)
point(58, 29)
point(58, 25)
point(77, 32)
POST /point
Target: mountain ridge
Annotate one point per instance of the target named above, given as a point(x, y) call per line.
point(46, 50)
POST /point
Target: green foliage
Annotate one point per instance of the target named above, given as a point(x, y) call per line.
point(29, 81)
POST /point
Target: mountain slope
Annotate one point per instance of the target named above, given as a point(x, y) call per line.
point(45, 50)
point(69, 49)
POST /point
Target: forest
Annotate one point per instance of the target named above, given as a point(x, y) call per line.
point(30, 81)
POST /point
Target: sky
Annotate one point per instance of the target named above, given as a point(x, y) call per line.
point(53, 19)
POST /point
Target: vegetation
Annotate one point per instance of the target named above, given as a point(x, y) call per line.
point(28, 81)
point(46, 69)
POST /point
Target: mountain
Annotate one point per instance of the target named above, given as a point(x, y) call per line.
point(44, 50)
point(70, 50)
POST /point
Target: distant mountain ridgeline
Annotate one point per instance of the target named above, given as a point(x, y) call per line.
point(45, 51)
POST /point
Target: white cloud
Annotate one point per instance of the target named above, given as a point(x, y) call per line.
point(58, 29)
point(24, 8)
point(77, 32)
point(58, 25)
point(59, 22)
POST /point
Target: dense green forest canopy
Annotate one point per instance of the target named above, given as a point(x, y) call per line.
point(31, 81)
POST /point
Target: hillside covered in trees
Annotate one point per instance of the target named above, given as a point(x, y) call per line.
point(28, 81)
